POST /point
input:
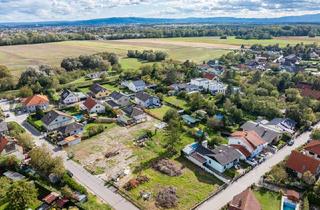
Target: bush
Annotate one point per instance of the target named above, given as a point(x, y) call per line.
point(94, 130)
point(73, 184)
point(315, 134)
point(134, 183)
point(167, 198)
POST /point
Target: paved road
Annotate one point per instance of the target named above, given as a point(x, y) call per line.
point(92, 183)
point(225, 196)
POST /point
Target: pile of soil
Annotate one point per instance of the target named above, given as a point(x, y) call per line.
point(167, 167)
point(167, 198)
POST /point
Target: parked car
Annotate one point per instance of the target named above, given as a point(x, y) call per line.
point(69, 173)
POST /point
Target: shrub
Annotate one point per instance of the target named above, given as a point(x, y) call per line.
point(134, 183)
point(73, 184)
point(15, 129)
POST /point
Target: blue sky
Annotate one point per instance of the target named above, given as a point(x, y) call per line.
point(44, 10)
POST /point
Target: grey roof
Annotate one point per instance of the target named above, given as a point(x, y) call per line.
point(52, 115)
point(116, 95)
point(132, 111)
point(112, 103)
point(222, 154)
point(286, 122)
point(3, 126)
point(71, 127)
point(96, 88)
point(143, 96)
point(139, 83)
point(65, 93)
point(266, 133)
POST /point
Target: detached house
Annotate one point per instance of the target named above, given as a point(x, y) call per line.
point(68, 97)
point(98, 91)
point(32, 103)
point(8, 146)
point(93, 106)
point(219, 159)
point(56, 119)
point(131, 115)
point(135, 86)
point(145, 100)
point(312, 149)
point(301, 163)
point(71, 129)
point(244, 201)
point(249, 143)
point(120, 98)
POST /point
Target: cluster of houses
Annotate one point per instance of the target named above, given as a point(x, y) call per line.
point(247, 145)
point(129, 108)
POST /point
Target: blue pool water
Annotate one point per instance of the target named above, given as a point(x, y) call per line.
point(78, 116)
point(289, 206)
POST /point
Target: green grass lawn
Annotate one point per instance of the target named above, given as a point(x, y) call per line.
point(192, 186)
point(269, 200)
point(160, 112)
point(111, 87)
point(177, 102)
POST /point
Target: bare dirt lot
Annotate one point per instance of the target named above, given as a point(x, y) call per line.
point(91, 153)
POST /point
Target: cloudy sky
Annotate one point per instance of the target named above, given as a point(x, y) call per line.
point(44, 10)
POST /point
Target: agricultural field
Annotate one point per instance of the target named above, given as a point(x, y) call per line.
point(18, 57)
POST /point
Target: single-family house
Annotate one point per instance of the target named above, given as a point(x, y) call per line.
point(216, 87)
point(285, 125)
point(145, 100)
point(93, 106)
point(3, 127)
point(249, 143)
point(71, 129)
point(70, 140)
point(246, 200)
point(56, 119)
point(218, 160)
point(267, 133)
point(202, 83)
point(312, 149)
point(120, 98)
point(9, 146)
point(68, 97)
point(98, 91)
point(32, 103)
point(301, 163)
point(95, 75)
point(189, 120)
point(135, 86)
point(131, 114)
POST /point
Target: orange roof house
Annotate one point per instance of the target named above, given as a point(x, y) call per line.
point(300, 163)
point(313, 147)
point(244, 201)
point(35, 102)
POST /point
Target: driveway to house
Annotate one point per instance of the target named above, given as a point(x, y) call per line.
point(92, 183)
point(225, 196)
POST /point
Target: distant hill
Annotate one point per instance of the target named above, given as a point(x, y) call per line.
point(314, 18)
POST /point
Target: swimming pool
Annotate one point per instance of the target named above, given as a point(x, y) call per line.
point(287, 205)
point(78, 117)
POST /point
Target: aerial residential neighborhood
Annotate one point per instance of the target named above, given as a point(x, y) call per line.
point(153, 105)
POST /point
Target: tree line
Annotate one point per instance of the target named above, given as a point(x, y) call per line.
point(147, 55)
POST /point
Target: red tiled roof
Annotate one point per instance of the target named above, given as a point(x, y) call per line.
point(209, 76)
point(3, 142)
point(50, 198)
point(242, 149)
point(250, 137)
point(90, 103)
point(35, 100)
point(293, 195)
point(61, 202)
point(313, 146)
point(245, 201)
point(301, 163)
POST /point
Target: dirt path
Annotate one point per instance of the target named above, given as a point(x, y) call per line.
point(159, 42)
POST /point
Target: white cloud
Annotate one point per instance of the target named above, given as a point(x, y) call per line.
point(42, 10)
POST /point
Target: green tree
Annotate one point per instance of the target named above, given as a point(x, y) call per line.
point(21, 194)
point(315, 134)
point(308, 178)
point(4, 187)
point(173, 133)
point(216, 141)
point(66, 191)
point(171, 114)
point(25, 91)
point(25, 140)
